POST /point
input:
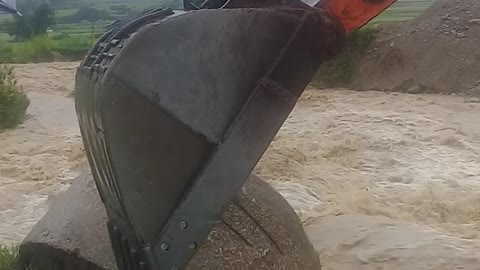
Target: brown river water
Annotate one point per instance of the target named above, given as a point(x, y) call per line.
point(381, 181)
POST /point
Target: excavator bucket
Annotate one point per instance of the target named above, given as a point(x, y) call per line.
point(176, 109)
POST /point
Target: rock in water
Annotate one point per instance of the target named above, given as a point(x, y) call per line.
point(259, 230)
point(73, 234)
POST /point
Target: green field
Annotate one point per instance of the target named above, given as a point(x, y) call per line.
point(76, 37)
point(404, 10)
point(8, 258)
point(79, 35)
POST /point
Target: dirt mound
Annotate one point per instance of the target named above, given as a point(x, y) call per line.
point(437, 52)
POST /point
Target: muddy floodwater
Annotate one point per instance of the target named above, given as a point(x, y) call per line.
point(381, 181)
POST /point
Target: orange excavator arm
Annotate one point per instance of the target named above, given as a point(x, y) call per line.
point(352, 13)
point(355, 13)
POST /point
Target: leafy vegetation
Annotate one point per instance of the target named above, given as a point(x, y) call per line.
point(339, 70)
point(30, 25)
point(8, 258)
point(88, 14)
point(40, 49)
point(37, 49)
point(13, 103)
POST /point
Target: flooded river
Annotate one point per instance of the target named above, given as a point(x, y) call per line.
point(381, 181)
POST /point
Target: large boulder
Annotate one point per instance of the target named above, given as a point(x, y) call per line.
point(73, 234)
point(259, 230)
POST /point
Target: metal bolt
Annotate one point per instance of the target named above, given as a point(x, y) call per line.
point(164, 246)
point(192, 245)
point(183, 224)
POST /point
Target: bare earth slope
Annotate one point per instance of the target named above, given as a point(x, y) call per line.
point(437, 52)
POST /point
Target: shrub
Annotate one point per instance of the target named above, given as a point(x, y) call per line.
point(13, 102)
point(8, 258)
point(74, 47)
point(74, 43)
point(46, 49)
point(336, 71)
point(6, 53)
point(339, 70)
point(61, 36)
point(37, 49)
point(89, 14)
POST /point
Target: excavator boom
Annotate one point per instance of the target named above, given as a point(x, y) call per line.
point(355, 13)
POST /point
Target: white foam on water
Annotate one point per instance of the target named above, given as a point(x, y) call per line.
point(410, 157)
point(381, 181)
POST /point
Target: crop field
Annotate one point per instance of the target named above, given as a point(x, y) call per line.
point(404, 10)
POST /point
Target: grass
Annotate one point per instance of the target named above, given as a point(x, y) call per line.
point(46, 48)
point(338, 71)
point(81, 28)
point(75, 44)
point(8, 258)
point(37, 49)
point(138, 4)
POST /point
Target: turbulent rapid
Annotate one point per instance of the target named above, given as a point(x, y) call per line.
point(380, 180)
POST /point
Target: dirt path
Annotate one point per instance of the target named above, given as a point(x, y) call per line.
point(381, 181)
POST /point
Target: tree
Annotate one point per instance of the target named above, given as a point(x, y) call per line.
point(30, 25)
point(43, 17)
point(20, 27)
point(86, 14)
